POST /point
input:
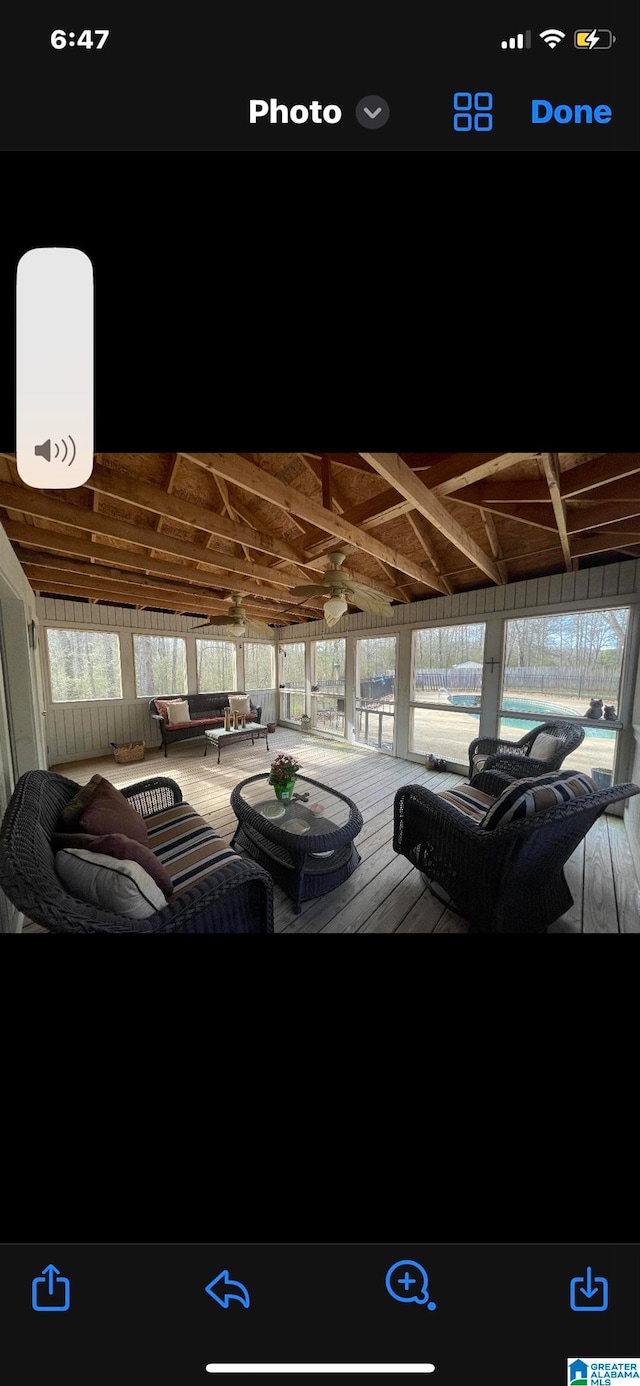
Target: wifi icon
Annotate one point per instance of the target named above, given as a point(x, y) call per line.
point(552, 37)
point(44, 450)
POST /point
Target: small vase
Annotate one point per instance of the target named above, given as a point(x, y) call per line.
point(284, 791)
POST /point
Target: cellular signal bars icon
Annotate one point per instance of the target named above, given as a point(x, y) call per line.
point(520, 41)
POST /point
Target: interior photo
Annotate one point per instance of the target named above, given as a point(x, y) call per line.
point(322, 693)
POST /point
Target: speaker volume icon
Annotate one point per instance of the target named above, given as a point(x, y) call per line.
point(44, 450)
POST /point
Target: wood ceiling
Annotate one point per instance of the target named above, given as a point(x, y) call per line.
point(182, 531)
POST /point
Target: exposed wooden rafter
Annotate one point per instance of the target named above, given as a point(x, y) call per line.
point(551, 465)
point(393, 469)
point(77, 546)
point(239, 472)
point(125, 487)
point(31, 502)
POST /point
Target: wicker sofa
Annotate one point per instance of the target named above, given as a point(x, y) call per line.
point(234, 899)
point(507, 880)
point(207, 710)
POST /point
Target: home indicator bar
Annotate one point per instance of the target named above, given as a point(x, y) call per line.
point(262, 1367)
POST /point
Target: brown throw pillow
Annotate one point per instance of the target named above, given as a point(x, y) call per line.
point(109, 812)
point(122, 847)
point(126, 849)
point(73, 811)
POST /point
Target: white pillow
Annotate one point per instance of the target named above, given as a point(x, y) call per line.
point(544, 747)
point(239, 702)
point(178, 712)
point(120, 887)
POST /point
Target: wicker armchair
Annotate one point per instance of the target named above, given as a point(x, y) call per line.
point(512, 753)
point(506, 880)
point(238, 900)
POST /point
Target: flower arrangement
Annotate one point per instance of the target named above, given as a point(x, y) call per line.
point(283, 769)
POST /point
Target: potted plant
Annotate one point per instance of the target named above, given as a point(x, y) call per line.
point(283, 776)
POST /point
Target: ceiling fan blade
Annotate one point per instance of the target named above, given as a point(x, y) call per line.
point(313, 590)
point(258, 627)
point(367, 600)
point(220, 621)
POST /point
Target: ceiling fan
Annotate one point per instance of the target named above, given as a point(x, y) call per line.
point(340, 589)
point(240, 623)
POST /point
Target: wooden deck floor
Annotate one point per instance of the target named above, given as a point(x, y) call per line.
point(385, 894)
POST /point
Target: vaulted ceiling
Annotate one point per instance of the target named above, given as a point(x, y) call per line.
point(182, 531)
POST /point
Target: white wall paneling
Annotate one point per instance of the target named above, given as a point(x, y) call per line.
point(79, 730)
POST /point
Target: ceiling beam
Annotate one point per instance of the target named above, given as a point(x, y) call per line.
point(494, 542)
point(241, 473)
point(542, 516)
point(551, 464)
point(141, 493)
point(422, 532)
point(77, 546)
point(504, 492)
point(626, 489)
point(148, 591)
point(327, 498)
point(393, 469)
point(447, 477)
point(598, 472)
point(604, 542)
point(28, 501)
point(173, 472)
point(581, 517)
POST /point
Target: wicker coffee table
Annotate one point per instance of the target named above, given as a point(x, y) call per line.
point(217, 735)
point(307, 847)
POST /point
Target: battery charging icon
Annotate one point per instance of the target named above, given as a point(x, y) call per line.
point(593, 38)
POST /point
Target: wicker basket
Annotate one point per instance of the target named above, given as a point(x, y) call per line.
point(128, 752)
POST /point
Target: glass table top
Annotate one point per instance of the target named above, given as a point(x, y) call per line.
point(320, 813)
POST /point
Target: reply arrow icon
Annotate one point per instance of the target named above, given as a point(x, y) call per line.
point(223, 1289)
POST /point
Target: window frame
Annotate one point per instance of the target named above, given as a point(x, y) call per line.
point(301, 692)
point(158, 635)
point(216, 640)
point(90, 630)
point(618, 724)
point(263, 645)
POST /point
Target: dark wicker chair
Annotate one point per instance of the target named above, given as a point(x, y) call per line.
point(508, 756)
point(236, 900)
point(505, 880)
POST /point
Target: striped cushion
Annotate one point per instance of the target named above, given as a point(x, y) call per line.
point(479, 761)
point(467, 800)
point(186, 845)
point(526, 797)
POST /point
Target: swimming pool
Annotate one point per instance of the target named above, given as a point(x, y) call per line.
point(516, 704)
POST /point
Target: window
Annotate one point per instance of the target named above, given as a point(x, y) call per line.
point(446, 689)
point(376, 691)
point(84, 665)
point(216, 664)
point(160, 664)
point(259, 666)
point(554, 666)
point(292, 676)
point(327, 703)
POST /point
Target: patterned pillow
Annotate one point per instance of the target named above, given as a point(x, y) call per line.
point(526, 797)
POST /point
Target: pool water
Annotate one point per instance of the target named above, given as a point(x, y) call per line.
point(516, 704)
